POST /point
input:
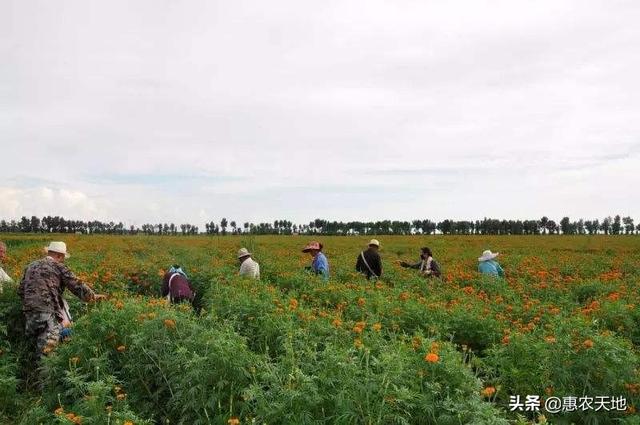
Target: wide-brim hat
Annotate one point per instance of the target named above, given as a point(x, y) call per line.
point(311, 246)
point(488, 255)
point(374, 242)
point(59, 247)
point(243, 252)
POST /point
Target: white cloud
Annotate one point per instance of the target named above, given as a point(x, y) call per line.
point(253, 110)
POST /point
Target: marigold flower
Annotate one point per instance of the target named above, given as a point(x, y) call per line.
point(377, 326)
point(488, 392)
point(121, 396)
point(337, 322)
point(59, 411)
point(74, 360)
point(233, 421)
point(293, 304)
point(121, 348)
point(431, 358)
point(358, 343)
point(169, 324)
point(587, 344)
point(361, 302)
point(128, 423)
point(416, 342)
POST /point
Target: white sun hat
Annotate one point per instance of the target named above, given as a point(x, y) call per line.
point(243, 252)
point(59, 247)
point(374, 242)
point(488, 255)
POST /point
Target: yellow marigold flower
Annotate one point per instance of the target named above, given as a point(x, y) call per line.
point(358, 343)
point(377, 326)
point(431, 358)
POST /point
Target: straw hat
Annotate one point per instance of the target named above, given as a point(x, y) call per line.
point(488, 255)
point(59, 247)
point(243, 252)
point(311, 246)
point(374, 242)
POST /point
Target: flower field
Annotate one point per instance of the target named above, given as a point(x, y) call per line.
point(293, 349)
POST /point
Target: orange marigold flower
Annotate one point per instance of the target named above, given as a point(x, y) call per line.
point(550, 339)
point(121, 348)
point(119, 305)
point(488, 392)
point(293, 304)
point(128, 423)
point(337, 322)
point(431, 358)
point(361, 302)
point(505, 339)
point(233, 421)
point(587, 344)
point(169, 324)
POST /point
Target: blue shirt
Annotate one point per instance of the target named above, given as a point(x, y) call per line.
point(320, 265)
point(490, 267)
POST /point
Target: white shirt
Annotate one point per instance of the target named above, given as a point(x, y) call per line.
point(250, 268)
point(4, 278)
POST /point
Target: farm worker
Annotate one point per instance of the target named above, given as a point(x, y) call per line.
point(176, 286)
point(369, 262)
point(41, 290)
point(487, 264)
point(319, 265)
point(4, 277)
point(427, 265)
point(248, 266)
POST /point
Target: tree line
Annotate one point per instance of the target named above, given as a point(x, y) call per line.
point(609, 226)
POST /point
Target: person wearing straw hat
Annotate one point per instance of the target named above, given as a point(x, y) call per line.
point(487, 265)
point(4, 277)
point(319, 264)
point(248, 266)
point(41, 290)
point(369, 262)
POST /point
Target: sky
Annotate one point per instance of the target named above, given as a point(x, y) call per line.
point(190, 111)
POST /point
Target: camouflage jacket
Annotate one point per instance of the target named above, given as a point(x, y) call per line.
point(44, 282)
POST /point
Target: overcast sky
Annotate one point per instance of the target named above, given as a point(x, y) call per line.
point(186, 111)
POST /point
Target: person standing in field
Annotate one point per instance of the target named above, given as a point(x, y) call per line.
point(487, 265)
point(248, 266)
point(369, 262)
point(4, 277)
point(176, 286)
point(319, 264)
point(41, 290)
point(427, 265)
